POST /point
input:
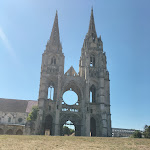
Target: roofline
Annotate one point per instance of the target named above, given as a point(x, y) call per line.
point(16, 99)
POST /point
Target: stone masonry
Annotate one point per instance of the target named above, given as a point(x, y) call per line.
point(91, 113)
point(13, 115)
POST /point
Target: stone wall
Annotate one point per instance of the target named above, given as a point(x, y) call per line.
point(12, 129)
point(13, 118)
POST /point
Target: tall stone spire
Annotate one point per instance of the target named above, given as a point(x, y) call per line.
point(54, 42)
point(92, 30)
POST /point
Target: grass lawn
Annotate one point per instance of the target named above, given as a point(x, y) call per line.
point(16, 142)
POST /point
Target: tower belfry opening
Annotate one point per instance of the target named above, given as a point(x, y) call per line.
point(51, 93)
point(90, 114)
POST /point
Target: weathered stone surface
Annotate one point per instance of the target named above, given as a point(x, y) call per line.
point(13, 115)
point(91, 116)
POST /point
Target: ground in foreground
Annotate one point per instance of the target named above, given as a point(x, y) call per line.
point(16, 142)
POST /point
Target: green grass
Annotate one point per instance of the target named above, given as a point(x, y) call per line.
point(16, 142)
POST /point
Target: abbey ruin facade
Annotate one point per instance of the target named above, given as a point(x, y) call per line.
point(91, 113)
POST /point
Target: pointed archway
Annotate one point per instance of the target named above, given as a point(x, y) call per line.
point(92, 127)
point(74, 120)
point(19, 132)
point(68, 129)
point(1, 131)
point(9, 132)
point(49, 124)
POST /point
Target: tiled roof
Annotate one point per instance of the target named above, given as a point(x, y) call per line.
point(13, 105)
point(30, 105)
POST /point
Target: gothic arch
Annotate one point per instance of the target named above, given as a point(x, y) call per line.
point(19, 132)
point(92, 60)
point(51, 91)
point(53, 60)
point(98, 124)
point(49, 123)
point(51, 83)
point(8, 118)
point(1, 131)
point(94, 82)
point(75, 119)
point(75, 87)
point(93, 126)
point(9, 132)
point(92, 91)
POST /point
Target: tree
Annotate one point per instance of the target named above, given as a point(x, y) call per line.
point(137, 134)
point(33, 114)
point(67, 130)
point(71, 131)
point(146, 132)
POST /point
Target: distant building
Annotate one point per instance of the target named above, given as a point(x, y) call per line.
point(13, 115)
point(120, 132)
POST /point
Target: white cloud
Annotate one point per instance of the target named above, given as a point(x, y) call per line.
point(6, 42)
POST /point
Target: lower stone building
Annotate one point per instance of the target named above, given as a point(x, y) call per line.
point(120, 132)
point(13, 115)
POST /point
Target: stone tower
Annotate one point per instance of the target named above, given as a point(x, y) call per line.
point(91, 113)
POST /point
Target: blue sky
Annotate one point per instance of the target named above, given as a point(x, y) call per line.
point(25, 27)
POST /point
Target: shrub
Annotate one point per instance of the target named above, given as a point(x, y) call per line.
point(67, 131)
point(137, 134)
point(146, 132)
point(33, 114)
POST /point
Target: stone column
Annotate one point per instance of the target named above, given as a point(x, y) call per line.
point(58, 100)
point(87, 110)
point(109, 125)
point(104, 125)
point(87, 124)
point(41, 104)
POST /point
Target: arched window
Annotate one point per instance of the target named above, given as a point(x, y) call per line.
point(92, 94)
point(93, 37)
point(92, 61)
point(9, 119)
point(53, 60)
point(51, 92)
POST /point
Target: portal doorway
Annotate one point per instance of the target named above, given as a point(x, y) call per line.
point(92, 127)
point(49, 124)
point(68, 129)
